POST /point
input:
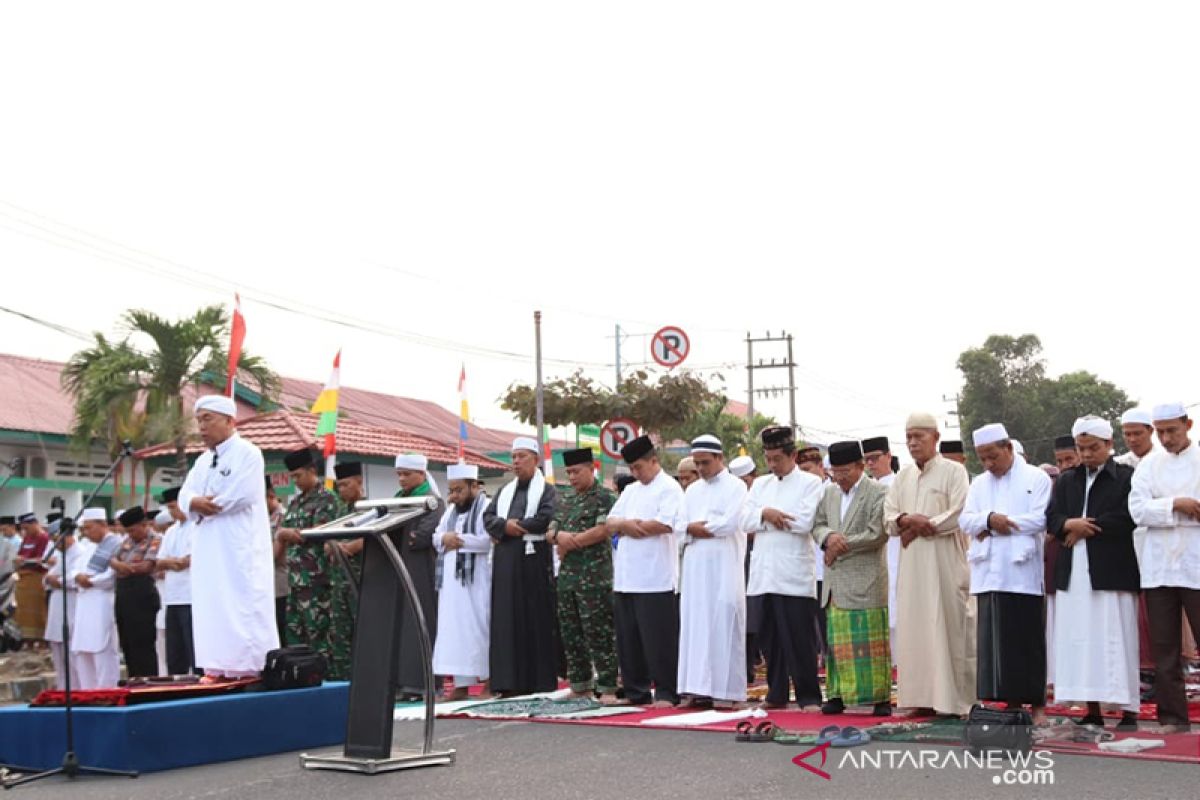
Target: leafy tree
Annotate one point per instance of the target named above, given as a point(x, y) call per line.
point(734, 432)
point(147, 372)
point(658, 405)
point(1005, 381)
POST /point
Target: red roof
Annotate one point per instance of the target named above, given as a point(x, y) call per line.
point(284, 431)
point(35, 401)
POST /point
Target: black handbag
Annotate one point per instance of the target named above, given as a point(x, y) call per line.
point(990, 729)
point(294, 667)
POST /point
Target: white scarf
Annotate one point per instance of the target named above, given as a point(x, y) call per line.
point(537, 484)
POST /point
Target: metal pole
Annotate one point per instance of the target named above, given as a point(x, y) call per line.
point(792, 382)
point(750, 374)
point(618, 340)
point(537, 333)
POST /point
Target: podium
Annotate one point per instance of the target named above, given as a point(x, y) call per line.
point(385, 580)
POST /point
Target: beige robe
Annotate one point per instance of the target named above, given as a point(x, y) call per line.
point(935, 647)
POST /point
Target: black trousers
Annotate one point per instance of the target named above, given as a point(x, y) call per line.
point(788, 637)
point(1011, 645)
point(281, 619)
point(136, 606)
point(1166, 606)
point(822, 642)
point(648, 645)
point(181, 653)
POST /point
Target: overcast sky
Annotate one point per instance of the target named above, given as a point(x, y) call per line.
point(891, 182)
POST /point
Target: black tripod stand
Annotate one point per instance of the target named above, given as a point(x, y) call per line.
point(70, 763)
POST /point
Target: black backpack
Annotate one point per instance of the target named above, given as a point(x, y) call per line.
point(294, 667)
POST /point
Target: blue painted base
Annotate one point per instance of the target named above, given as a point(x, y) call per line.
point(178, 733)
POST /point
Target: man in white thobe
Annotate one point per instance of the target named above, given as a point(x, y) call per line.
point(779, 511)
point(94, 640)
point(175, 562)
point(935, 641)
point(465, 596)
point(1095, 607)
point(1165, 499)
point(1137, 429)
point(712, 636)
point(877, 452)
point(73, 554)
point(233, 581)
point(1005, 518)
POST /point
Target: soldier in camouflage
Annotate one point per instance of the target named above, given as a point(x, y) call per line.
point(585, 579)
point(310, 618)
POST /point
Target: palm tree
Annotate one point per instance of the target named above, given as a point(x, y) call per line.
point(113, 382)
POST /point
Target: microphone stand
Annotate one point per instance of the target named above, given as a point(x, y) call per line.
point(71, 767)
point(12, 471)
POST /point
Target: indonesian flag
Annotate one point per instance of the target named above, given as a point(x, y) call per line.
point(327, 407)
point(464, 414)
point(237, 335)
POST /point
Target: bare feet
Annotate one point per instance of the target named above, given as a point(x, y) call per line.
point(610, 699)
point(459, 693)
point(813, 709)
point(1172, 729)
point(765, 706)
point(662, 704)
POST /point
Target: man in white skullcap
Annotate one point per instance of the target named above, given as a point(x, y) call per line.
point(1137, 428)
point(1096, 574)
point(743, 468)
point(1165, 498)
point(75, 554)
point(94, 640)
point(1005, 518)
point(523, 645)
point(233, 572)
point(935, 643)
point(465, 594)
point(712, 635)
point(414, 541)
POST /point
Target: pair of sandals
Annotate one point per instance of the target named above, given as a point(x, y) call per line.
point(849, 736)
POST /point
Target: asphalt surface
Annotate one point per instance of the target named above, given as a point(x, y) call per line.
point(527, 761)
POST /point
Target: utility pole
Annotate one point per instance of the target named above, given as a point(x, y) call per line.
point(957, 412)
point(541, 430)
point(617, 338)
point(789, 363)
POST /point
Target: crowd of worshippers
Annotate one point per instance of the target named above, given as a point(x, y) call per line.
point(672, 590)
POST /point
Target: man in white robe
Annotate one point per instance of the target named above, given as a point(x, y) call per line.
point(712, 637)
point(935, 639)
point(877, 452)
point(94, 640)
point(1137, 429)
point(233, 581)
point(465, 595)
point(1095, 607)
point(1165, 498)
point(1005, 518)
point(73, 554)
point(779, 511)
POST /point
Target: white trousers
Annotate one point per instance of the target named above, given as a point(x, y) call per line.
point(63, 660)
point(99, 670)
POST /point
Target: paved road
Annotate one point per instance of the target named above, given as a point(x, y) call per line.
point(529, 761)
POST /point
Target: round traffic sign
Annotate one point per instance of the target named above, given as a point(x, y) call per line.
point(670, 346)
point(615, 434)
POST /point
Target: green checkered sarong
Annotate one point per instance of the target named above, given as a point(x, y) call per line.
point(858, 667)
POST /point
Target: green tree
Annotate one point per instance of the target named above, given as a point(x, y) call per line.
point(1005, 381)
point(734, 432)
point(655, 405)
point(148, 371)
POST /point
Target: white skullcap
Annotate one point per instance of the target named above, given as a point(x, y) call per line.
point(1166, 411)
point(1092, 426)
point(412, 461)
point(707, 443)
point(825, 462)
point(217, 403)
point(462, 472)
point(990, 434)
point(117, 514)
point(920, 419)
point(163, 517)
point(1137, 416)
point(1018, 448)
point(94, 515)
point(742, 466)
point(526, 443)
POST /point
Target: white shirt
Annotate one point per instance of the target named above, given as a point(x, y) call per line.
point(783, 561)
point(1132, 459)
point(651, 564)
point(176, 587)
point(1171, 553)
point(1008, 562)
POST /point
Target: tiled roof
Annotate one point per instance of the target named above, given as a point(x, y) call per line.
point(33, 399)
point(284, 431)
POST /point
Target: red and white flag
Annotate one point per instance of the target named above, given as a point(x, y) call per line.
point(237, 335)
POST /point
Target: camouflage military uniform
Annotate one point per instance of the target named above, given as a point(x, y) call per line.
point(310, 617)
point(585, 585)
